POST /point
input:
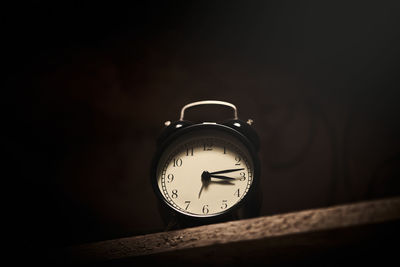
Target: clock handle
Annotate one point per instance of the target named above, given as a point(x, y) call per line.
point(209, 102)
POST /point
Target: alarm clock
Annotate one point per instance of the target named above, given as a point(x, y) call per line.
point(207, 172)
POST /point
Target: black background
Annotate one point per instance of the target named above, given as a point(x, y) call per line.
point(89, 86)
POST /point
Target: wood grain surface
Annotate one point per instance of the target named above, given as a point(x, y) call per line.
point(335, 226)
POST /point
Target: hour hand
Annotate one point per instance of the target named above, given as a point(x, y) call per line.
point(222, 177)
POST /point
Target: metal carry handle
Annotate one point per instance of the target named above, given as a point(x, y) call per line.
point(209, 102)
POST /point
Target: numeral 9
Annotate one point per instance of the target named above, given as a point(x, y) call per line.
point(170, 178)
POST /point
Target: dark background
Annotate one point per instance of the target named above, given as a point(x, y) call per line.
point(88, 88)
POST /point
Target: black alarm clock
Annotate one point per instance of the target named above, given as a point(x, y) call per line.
point(207, 172)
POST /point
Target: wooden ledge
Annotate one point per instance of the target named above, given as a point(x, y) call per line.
point(279, 238)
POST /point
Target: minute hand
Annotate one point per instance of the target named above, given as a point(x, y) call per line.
point(226, 171)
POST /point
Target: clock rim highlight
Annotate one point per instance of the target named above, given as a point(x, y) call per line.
point(203, 131)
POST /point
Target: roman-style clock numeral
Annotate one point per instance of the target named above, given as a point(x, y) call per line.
point(237, 192)
point(207, 147)
point(205, 209)
point(224, 204)
point(170, 178)
point(177, 162)
point(187, 202)
point(189, 151)
point(238, 160)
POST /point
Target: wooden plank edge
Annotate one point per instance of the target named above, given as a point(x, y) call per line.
point(267, 227)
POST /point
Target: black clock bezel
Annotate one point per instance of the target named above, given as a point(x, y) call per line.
point(187, 128)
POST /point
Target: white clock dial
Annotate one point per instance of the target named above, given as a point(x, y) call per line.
point(205, 174)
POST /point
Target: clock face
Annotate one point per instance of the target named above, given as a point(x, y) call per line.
point(205, 173)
